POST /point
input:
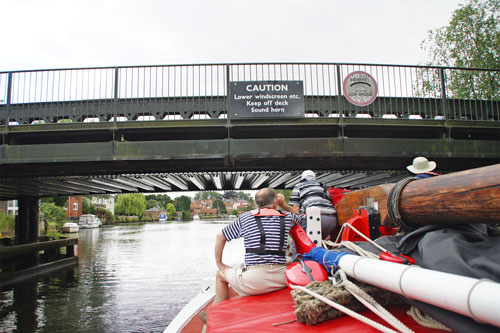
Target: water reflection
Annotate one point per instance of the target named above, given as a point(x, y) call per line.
point(131, 278)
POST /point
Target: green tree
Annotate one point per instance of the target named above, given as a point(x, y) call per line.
point(151, 203)
point(87, 207)
point(53, 213)
point(104, 215)
point(171, 210)
point(219, 204)
point(470, 40)
point(130, 204)
point(58, 201)
point(7, 222)
point(207, 195)
point(244, 196)
point(186, 215)
point(162, 199)
point(182, 203)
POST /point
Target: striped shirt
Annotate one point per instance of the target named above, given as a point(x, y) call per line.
point(246, 226)
point(310, 193)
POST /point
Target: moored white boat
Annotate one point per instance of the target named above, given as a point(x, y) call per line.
point(89, 221)
point(70, 227)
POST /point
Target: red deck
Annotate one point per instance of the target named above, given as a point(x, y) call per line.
point(259, 313)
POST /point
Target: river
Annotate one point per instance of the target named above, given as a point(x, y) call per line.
point(130, 278)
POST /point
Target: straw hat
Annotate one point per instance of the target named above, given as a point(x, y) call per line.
point(308, 175)
point(421, 165)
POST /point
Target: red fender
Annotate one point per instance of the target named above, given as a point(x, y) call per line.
point(295, 273)
point(303, 243)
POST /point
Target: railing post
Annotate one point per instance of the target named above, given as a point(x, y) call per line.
point(339, 101)
point(8, 101)
point(115, 94)
point(229, 158)
point(228, 99)
point(444, 105)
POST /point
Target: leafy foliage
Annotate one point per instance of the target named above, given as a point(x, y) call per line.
point(186, 215)
point(219, 204)
point(182, 203)
point(151, 203)
point(471, 40)
point(207, 195)
point(104, 215)
point(7, 222)
point(53, 213)
point(162, 199)
point(87, 207)
point(130, 204)
point(58, 201)
point(170, 210)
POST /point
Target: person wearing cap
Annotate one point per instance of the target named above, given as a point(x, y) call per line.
point(311, 193)
point(422, 168)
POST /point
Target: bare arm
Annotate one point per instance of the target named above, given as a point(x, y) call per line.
point(281, 202)
point(220, 243)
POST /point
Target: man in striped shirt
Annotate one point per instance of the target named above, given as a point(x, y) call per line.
point(265, 237)
point(311, 193)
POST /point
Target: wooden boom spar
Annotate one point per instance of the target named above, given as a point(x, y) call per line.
point(471, 196)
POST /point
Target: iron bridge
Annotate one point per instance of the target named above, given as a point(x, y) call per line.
point(90, 131)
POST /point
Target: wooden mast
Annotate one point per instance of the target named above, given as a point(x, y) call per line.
point(471, 196)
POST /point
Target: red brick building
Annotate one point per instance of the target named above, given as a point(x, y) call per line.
point(74, 210)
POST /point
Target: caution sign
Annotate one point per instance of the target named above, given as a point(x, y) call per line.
point(265, 99)
point(360, 88)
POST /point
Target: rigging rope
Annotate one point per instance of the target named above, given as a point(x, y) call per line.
point(370, 302)
point(426, 320)
point(393, 203)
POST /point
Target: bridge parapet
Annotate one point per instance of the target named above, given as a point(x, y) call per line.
point(80, 131)
point(191, 92)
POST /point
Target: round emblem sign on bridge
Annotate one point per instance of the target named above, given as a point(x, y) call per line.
point(360, 88)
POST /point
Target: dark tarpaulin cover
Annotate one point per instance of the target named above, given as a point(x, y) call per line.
point(471, 250)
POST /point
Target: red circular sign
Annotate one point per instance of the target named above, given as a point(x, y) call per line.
point(360, 88)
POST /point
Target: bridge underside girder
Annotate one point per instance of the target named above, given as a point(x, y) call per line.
point(72, 159)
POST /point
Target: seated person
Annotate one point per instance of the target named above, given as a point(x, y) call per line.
point(265, 234)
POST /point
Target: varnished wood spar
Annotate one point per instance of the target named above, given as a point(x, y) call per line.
point(355, 199)
point(471, 196)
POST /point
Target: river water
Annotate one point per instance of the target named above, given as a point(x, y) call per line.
point(130, 278)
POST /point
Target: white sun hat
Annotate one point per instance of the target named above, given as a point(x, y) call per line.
point(308, 175)
point(421, 165)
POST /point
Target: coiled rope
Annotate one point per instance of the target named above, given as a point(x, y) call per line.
point(370, 302)
point(393, 203)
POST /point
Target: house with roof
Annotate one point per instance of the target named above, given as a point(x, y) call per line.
point(155, 212)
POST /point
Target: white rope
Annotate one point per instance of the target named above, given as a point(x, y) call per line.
point(345, 310)
point(347, 225)
point(370, 303)
point(351, 246)
point(425, 320)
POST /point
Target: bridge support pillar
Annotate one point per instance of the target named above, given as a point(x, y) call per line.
point(27, 220)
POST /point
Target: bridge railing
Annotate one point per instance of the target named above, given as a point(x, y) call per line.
point(174, 92)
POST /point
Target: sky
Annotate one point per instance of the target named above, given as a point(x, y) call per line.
point(99, 33)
